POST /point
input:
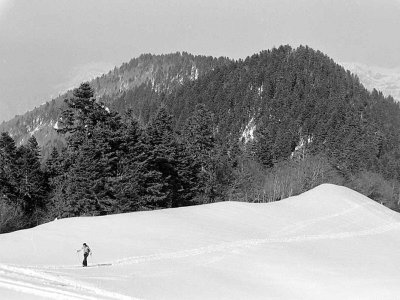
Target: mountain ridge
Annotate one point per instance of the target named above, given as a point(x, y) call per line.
point(242, 95)
point(163, 72)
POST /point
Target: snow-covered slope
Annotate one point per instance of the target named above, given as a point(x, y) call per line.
point(328, 243)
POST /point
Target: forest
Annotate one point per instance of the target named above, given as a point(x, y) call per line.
point(311, 122)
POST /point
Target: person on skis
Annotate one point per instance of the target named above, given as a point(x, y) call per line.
point(86, 250)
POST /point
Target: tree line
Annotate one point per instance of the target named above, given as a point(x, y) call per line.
point(112, 164)
point(313, 122)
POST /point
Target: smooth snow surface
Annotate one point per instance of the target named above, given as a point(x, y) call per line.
point(328, 243)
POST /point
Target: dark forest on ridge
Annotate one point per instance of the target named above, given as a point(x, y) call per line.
point(273, 125)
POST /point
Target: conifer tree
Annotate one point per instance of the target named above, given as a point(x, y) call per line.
point(95, 149)
point(53, 165)
point(32, 184)
point(161, 177)
point(129, 180)
point(200, 145)
point(81, 116)
point(8, 180)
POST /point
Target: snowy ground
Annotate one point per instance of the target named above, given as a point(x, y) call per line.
point(328, 243)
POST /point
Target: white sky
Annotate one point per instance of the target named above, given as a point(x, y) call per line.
point(47, 45)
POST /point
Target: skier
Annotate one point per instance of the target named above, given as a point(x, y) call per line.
point(86, 251)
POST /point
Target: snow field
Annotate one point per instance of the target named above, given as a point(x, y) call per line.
point(328, 243)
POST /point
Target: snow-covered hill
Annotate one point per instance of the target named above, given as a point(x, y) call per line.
point(328, 243)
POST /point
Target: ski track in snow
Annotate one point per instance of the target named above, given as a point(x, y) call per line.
point(241, 244)
point(230, 246)
point(44, 285)
point(300, 225)
point(40, 281)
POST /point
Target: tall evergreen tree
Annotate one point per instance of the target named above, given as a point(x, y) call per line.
point(200, 148)
point(32, 184)
point(8, 180)
point(129, 182)
point(96, 148)
point(53, 164)
point(161, 177)
point(85, 191)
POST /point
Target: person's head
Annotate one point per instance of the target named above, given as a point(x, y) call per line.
point(84, 244)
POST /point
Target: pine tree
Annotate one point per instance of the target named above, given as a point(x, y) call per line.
point(81, 116)
point(53, 164)
point(8, 180)
point(200, 144)
point(264, 144)
point(129, 180)
point(161, 178)
point(95, 149)
point(85, 189)
point(32, 184)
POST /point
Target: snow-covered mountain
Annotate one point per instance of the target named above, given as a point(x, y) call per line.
point(328, 243)
point(382, 79)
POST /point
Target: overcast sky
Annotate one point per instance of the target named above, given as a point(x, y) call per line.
point(47, 46)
